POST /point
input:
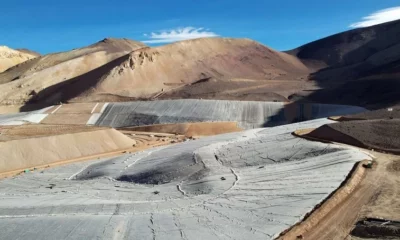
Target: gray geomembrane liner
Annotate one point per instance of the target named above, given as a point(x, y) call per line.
point(245, 185)
point(248, 114)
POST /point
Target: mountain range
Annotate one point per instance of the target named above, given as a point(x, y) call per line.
point(357, 67)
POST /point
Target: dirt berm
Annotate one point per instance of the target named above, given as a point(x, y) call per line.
point(191, 129)
point(384, 113)
point(28, 153)
point(381, 135)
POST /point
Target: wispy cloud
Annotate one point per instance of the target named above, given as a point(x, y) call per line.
point(178, 34)
point(382, 16)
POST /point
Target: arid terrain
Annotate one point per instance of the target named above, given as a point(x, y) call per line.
point(10, 57)
point(208, 138)
point(215, 68)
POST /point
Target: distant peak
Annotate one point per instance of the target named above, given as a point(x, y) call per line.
point(105, 40)
point(118, 41)
point(109, 40)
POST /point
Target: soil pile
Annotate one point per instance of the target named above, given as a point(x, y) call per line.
point(8, 133)
point(191, 129)
point(10, 57)
point(32, 152)
point(381, 135)
point(385, 113)
point(377, 228)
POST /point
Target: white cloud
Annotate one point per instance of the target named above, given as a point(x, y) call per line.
point(179, 34)
point(382, 16)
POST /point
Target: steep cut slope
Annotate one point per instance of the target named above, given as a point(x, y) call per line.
point(20, 83)
point(151, 72)
point(353, 54)
point(10, 57)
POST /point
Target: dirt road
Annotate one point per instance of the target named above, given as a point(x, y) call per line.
point(376, 196)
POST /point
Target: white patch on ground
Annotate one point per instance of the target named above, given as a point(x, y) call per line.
point(43, 110)
point(93, 119)
point(22, 118)
point(35, 118)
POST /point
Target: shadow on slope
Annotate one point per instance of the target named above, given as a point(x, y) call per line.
point(360, 67)
point(72, 88)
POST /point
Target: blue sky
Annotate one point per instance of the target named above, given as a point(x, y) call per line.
point(51, 26)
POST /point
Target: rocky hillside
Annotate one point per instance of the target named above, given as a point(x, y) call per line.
point(22, 82)
point(151, 72)
point(353, 54)
point(357, 67)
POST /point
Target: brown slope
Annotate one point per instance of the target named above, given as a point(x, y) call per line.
point(151, 72)
point(359, 50)
point(11, 57)
point(239, 89)
point(358, 67)
point(381, 134)
point(385, 113)
point(20, 83)
point(112, 47)
point(24, 50)
point(369, 93)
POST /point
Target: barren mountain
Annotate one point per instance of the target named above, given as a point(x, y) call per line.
point(151, 72)
point(358, 67)
point(353, 54)
point(22, 82)
point(10, 57)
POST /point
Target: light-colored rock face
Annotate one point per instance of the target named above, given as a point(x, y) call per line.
point(248, 185)
point(10, 57)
